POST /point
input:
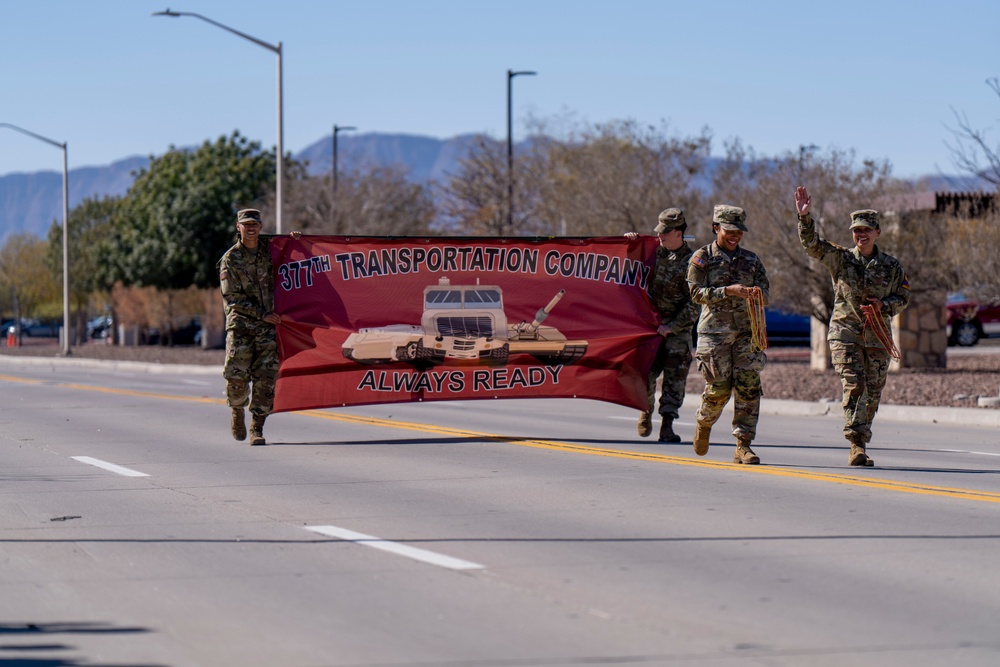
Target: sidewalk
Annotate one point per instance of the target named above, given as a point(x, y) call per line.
point(908, 413)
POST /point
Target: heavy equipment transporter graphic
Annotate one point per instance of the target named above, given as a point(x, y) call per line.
point(464, 322)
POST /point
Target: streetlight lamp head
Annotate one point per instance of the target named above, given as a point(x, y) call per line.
point(166, 13)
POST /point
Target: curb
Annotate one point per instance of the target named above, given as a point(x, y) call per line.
point(771, 406)
point(903, 413)
point(54, 363)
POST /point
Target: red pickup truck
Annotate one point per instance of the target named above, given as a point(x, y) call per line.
point(970, 320)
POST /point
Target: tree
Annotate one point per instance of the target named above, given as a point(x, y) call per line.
point(24, 272)
point(475, 199)
point(373, 201)
point(593, 180)
point(178, 218)
point(971, 151)
point(615, 177)
point(944, 253)
point(89, 223)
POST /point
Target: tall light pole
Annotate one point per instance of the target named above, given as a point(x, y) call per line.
point(65, 227)
point(276, 48)
point(337, 129)
point(510, 150)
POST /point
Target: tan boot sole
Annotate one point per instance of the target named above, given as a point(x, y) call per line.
point(645, 425)
point(239, 429)
point(862, 460)
point(701, 437)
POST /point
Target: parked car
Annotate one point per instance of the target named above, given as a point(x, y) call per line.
point(188, 334)
point(786, 328)
point(969, 320)
point(40, 328)
point(99, 328)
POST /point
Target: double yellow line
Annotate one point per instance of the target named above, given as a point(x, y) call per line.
point(575, 448)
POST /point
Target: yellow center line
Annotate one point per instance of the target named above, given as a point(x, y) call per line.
point(576, 448)
point(11, 378)
point(835, 478)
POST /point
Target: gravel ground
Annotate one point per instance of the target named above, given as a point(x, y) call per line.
point(972, 373)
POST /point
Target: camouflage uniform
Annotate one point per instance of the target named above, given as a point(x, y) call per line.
point(669, 293)
point(861, 361)
point(251, 343)
point(725, 356)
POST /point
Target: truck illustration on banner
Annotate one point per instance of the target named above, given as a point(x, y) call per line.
point(464, 322)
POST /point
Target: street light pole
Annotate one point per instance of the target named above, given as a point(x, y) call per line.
point(275, 48)
point(510, 149)
point(65, 227)
point(337, 129)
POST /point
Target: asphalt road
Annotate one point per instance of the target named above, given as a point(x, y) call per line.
point(135, 531)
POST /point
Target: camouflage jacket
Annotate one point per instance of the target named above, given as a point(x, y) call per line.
point(709, 272)
point(856, 278)
point(668, 289)
point(247, 285)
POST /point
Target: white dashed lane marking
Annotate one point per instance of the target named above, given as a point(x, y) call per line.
point(118, 470)
point(421, 555)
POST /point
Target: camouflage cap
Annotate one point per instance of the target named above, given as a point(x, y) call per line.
point(728, 217)
point(248, 215)
point(864, 218)
point(670, 219)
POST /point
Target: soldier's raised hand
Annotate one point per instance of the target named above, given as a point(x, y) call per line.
point(802, 201)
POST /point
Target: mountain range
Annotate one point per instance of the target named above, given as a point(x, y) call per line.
point(32, 202)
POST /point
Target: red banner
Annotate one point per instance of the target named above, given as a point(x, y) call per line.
point(387, 320)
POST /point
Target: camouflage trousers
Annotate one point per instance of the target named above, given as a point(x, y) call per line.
point(251, 359)
point(673, 360)
point(730, 367)
point(862, 371)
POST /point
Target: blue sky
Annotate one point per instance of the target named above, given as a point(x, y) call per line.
point(880, 77)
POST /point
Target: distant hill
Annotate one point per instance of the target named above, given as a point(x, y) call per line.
point(32, 202)
point(426, 158)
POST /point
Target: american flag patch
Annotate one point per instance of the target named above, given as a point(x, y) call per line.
point(906, 283)
point(698, 260)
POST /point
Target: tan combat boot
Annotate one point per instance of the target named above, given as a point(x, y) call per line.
point(744, 454)
point(667, 431)
point(645, 425)
point(858, 457)
point(257, 430)
point(702, 431)
point(238, 424)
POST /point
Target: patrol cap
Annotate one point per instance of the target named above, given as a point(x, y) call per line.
point(248, 215)
point(728, 217)
point(670, 219)
point(864, 218)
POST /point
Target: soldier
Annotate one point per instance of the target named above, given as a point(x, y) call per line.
point(670, 296)
point(722, 276)
point(247, 281)
point(868, 284)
